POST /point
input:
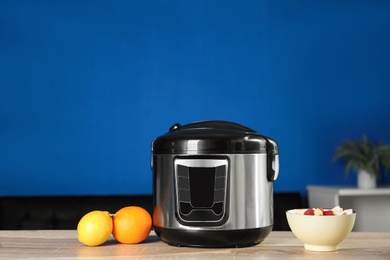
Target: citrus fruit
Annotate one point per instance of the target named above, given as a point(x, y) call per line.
point(158, 218)
point(132, 225)
point(94, 228)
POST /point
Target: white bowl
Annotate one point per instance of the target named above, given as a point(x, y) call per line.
point(320, 233)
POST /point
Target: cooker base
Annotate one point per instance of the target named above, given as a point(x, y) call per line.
point(213, 238)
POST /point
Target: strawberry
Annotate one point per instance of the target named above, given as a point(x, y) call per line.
point(328, 213)
point(309, 212)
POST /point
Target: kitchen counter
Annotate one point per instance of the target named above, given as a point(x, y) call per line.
point(63, 244)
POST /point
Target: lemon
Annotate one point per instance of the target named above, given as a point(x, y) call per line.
point(94, 228)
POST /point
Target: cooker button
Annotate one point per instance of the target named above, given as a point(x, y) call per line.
point(183, 183)
point(219, 195)
point(182, 171)
point(220, 171)
point(219, 183)
point(217, 208)
point(185, 208)
point(184, 195)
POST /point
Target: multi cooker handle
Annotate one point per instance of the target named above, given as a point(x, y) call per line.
point(272, 167)
point(272, 159)
point(212, 124)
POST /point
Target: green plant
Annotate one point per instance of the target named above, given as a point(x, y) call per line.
point(364, 154)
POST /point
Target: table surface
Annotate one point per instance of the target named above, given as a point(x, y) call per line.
point(63, 244)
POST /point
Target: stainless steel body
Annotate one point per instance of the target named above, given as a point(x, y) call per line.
point(213, 184)
point(250, 194)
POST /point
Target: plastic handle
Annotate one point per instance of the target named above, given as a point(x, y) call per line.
point(212, 124)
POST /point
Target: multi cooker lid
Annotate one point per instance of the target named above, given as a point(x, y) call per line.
point(213, 137)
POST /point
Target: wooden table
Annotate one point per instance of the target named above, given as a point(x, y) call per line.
point(278, 245)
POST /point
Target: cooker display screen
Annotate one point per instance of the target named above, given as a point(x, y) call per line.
point(202, 182)
point(201, 190)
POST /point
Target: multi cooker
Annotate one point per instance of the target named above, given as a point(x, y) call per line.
point(213, 184)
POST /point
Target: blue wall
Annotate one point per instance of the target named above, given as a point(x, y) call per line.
point(85, 86)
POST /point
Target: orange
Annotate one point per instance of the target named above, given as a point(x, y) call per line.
point(132, 225)
point(158, 218)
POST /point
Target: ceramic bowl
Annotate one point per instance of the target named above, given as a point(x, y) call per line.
point(320, 233)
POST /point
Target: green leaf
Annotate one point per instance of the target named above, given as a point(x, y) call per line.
point(364, 154)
